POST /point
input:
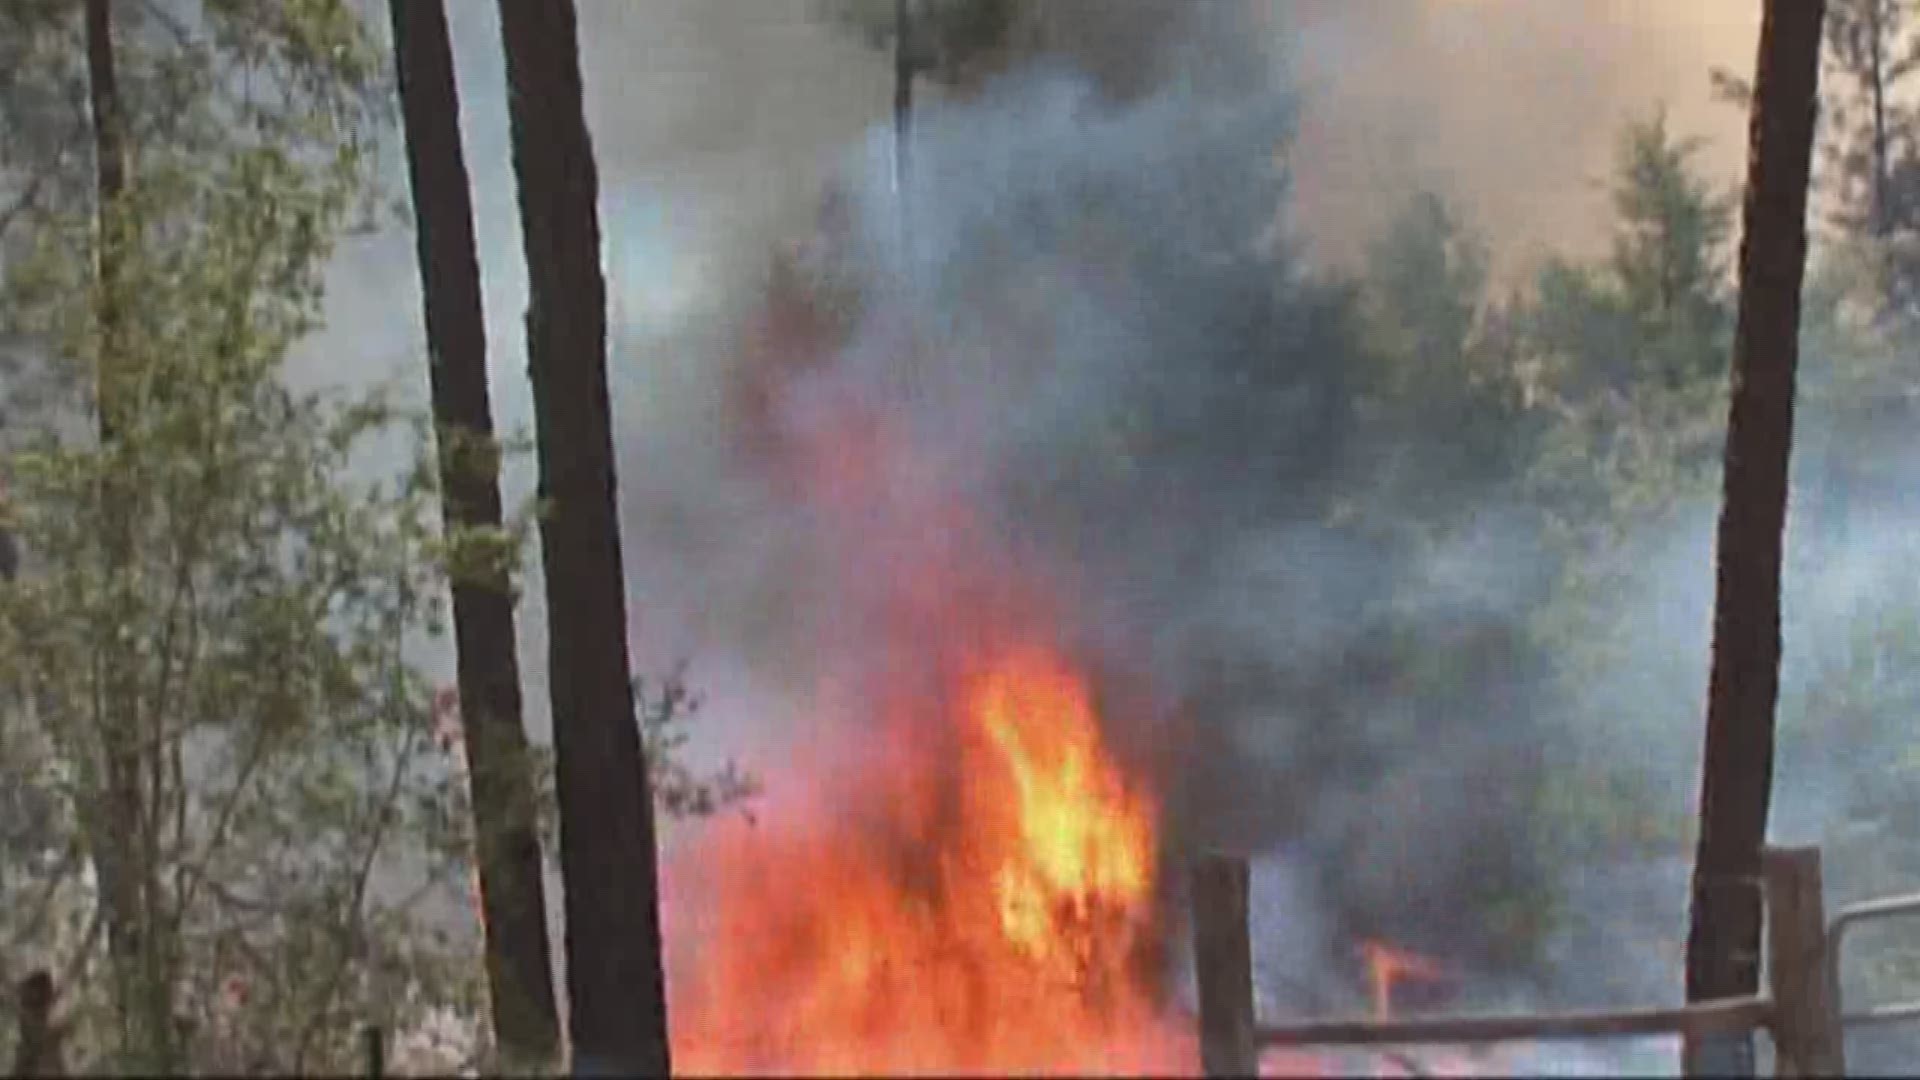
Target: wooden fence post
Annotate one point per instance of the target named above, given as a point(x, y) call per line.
point(373, 1043)
point(1807, 1036)
point(37, 1050)
point(1223, 967)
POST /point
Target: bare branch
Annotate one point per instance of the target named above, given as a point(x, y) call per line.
point(350, 919)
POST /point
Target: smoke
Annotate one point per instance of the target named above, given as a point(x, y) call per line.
point(1099, 326)
point(1509, 107)
point(1104, 328)
point(1095, 328)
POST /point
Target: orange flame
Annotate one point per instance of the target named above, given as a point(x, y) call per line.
point(1387, 966)
point(952, 873)
point(999, 927)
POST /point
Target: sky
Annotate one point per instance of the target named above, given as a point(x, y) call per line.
point(715, 122)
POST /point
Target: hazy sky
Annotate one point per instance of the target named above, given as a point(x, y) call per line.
point(715, 120)
point(1510, 106)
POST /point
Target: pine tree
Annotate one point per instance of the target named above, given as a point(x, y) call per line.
point(512, 891)
point(1723, 941)
point(617, 1009)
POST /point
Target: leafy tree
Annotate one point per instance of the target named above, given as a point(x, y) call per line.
point(1869, 130)
point(1628, 353)
point(1619, 361)
point(1439, 356)
point(210, 708)
point(1869, 141)
point(268, 603)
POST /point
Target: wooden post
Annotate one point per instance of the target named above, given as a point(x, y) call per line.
point(36, 1049)
point(374, 1044)
point(1807, 1037)
point(1223, 967)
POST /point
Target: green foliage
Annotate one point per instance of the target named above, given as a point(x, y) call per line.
point(1624, 360)
point(210, 595)
point(1437, 357)
point(265, 617)
point(681, 791)
point(1630, 354)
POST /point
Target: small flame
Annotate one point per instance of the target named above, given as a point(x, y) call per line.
point(1388, 966)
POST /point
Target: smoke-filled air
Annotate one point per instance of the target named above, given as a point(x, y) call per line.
point(1044, 447)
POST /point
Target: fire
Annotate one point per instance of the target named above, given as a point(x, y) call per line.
point(1002, 923)
point(952, 872)
point(1084, 839)
point(1387, 966)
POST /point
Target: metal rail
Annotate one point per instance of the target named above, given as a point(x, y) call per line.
point(1850, 917)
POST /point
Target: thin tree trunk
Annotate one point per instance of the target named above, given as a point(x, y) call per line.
point(1723, 943)
point(617, 1011)
point(902, 98)
point(512, 894)
point(121, 831)
point(1882, 157)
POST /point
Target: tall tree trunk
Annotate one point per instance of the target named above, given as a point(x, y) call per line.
point(1882, 153)
point(121, 829)
point(902, 98)
point(617, 1011)
point(1723, 942)
point(512, 894)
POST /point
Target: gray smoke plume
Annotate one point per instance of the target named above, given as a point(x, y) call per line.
point(1101, 328)
point(1096, 330)
point(1104, 330)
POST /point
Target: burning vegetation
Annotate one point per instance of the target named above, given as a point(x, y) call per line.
point(987, 904)
point(957, 873)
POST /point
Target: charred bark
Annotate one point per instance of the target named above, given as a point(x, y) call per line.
point(1723, 943)
point(512, 893)
point(617, 1002)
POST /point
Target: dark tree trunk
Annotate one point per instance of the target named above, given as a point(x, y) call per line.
point(1877, 73)
point(122, 833)
point(36, 1047)
point(1723, 942)
point(902, 97)
point(617, 1001)
point(512, 896)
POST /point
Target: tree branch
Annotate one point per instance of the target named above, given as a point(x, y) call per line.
point(351, 918)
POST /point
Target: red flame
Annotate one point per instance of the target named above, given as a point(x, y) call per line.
point(1005, 932)
point(955, 874)
point(1387, 966)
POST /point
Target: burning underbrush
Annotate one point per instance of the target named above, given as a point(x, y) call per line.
point(955, 873)
point(1047, 612)
point(975, 892)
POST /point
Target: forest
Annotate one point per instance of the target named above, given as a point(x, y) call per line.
point(524, 674)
